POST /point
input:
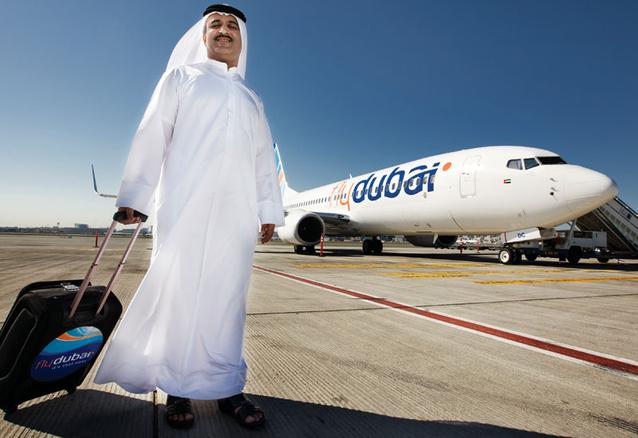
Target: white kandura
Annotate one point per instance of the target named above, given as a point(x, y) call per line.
point(204, 142)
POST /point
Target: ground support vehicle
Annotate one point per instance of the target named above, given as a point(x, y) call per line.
point(568, 245)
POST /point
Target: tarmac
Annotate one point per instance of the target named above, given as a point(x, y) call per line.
point(416, 342)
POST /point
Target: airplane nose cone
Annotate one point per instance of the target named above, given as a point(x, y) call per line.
point(611, 190)
point(586, 190)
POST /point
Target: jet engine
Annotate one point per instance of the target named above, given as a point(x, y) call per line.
point(301, 228)
point(432, 240)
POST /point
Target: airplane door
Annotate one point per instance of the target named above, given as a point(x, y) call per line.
point(467, 184)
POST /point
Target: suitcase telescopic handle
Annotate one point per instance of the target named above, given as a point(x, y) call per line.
point(120, 215)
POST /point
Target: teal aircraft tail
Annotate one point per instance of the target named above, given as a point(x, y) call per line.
point(286, 191)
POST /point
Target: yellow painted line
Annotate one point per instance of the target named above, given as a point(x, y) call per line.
point(384, 265)
point(401, 274)
point(560, 280)
point(606, 271)
point(426, 274)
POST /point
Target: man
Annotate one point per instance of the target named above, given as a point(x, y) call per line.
point(204, 150)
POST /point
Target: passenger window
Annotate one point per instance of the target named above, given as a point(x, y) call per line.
point(530, 162)
point(515, 164)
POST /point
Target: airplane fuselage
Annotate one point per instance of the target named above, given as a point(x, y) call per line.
point(474, 191)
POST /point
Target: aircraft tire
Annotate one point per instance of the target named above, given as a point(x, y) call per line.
point(377, 247)
point(310, 249)
point(367, 246)
point(299, 249)
point(603, 259)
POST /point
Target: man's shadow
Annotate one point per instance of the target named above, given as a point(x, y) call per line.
point(88, 413)
point(92, 413)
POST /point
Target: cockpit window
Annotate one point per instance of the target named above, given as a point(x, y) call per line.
point(515, 164)
point(551, 160)
point(530, 162)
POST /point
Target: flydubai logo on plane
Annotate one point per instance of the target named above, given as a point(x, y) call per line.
point(391, 184)
point(341, 195)
point(67, 353)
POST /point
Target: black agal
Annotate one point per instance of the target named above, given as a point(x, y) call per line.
point(226, 9)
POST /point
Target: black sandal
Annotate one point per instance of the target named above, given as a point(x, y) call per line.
point(176, 406)
point(240, 408)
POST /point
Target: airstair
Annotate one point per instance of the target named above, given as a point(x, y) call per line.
point(619, 221)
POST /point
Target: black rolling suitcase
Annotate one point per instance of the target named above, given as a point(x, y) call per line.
point(55, 331)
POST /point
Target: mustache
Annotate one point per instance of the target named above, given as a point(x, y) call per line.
point(224, 36)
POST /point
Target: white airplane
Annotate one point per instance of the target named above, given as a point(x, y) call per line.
point(431, 201)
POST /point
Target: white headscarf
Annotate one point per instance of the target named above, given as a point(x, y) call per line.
point(191, 49)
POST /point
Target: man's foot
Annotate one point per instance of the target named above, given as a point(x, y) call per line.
point(179, 412)
point(242, 410)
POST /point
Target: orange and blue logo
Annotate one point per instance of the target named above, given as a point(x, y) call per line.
point(341, 195)
point(67, 353)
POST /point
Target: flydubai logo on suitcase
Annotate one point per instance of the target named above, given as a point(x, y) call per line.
point(67, 353)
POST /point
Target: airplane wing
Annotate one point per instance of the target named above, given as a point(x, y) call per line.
point(336, 223)
point(97, 192)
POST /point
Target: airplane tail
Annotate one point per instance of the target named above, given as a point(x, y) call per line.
point(286, 191)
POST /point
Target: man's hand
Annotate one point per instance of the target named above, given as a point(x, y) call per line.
point(130, 219)
point(267, 231)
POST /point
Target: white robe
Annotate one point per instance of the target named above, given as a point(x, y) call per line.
point(204, 142)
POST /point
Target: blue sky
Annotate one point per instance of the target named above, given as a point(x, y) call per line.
point(348, 87)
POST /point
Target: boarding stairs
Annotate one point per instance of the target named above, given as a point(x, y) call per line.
point(619, 221)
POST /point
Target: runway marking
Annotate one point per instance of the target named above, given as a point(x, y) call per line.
point(444, 274)
point(336, 265)
point(439, 305)
point(617, 365)
point(426, 274)
point(560, 280)
point(330, 265)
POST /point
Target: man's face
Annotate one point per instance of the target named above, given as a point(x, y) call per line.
point(223, 39)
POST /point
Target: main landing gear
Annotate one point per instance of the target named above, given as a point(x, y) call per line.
point(372, 246)
point(304, 249)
